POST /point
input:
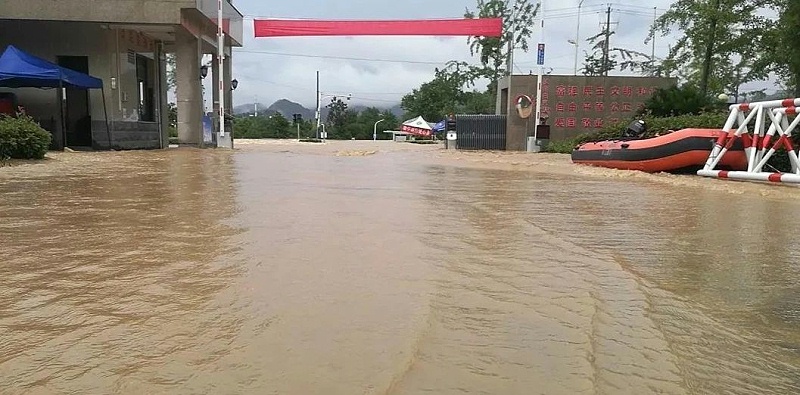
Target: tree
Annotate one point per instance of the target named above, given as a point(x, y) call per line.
point(518, 20)
point(436, 98)
point(595, 64)
point(337, 115)
point(781, 49)
point(444, 95)
point(273, 126)
point(720, 37)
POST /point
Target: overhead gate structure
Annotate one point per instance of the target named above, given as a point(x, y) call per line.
point(481, 132)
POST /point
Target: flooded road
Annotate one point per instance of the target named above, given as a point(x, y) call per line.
point(385, 268)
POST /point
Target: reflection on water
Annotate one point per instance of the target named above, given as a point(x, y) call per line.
point(293, 271)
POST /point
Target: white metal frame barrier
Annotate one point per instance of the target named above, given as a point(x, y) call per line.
point(758, 144)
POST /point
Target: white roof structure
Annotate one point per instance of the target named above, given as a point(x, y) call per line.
point(418, 122)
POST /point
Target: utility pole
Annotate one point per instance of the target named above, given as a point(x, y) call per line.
point(653, 51)
point(318, 110)
point(540, 62)
point(510, 55)
point(578, 36)
point(605, 44)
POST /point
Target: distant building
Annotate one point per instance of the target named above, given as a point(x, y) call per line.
point(572, 105)
point(123, 43)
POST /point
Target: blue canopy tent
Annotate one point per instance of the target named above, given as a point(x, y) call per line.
point(19, 69)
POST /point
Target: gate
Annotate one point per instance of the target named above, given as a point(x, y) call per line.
point(481, 132)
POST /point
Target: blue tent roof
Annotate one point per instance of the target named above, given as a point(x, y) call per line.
point(20, 69)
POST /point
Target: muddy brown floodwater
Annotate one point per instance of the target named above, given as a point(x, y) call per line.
point(390, 268)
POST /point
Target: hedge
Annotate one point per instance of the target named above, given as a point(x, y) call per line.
point(22, 138)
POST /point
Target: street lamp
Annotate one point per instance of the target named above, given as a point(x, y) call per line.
point(375, 130)
point(578, 36)
point(573, 42)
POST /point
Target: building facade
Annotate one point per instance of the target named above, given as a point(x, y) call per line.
point(572, 105)
point(124, 43)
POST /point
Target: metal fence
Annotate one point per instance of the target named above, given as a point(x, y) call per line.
point(481, 132)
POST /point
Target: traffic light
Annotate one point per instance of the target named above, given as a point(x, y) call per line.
point(297, 118)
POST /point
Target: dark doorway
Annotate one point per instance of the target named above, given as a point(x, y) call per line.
point(77, 120)
point(144, 82)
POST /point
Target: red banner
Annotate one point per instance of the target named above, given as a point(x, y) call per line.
point(485, 27)
point(415, 131)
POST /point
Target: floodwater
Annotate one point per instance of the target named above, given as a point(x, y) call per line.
point(388, 268)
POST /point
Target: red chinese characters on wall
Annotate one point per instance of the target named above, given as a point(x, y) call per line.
point(571, 123)
point(597, 109)
point(572, 107)
point(572, 91)
point(627, 91)
point(545, 96)
point(600, 91)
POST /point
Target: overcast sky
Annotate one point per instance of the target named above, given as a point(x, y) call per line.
point(266, 71)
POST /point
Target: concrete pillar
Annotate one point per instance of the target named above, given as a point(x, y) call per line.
point(162, 105)
point(228, 63)
point(188, 88)
point(215, 95)
point(227, 140)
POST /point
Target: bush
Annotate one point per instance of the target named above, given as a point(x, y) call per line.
point(22, 138)
point(676, 101)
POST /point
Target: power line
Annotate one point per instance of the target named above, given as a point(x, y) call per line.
point(341, 57)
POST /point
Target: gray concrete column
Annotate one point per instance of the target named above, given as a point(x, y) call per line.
point(161, 92)
point(188, 88)
point(215, 93)
point(227, 63)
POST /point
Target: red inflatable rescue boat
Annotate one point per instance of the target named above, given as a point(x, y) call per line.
point(684, 150)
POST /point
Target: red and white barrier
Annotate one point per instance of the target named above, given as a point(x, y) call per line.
point(758, 144)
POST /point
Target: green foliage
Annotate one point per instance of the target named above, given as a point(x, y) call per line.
point(444, 95)
point(22, 138)
point(272, 126)
point(171, 70)
point(349, 125)
point(360, 126)
point(172, 114)
point(720, 42)
point(674, 101)
point(593, 63)
point(781, 52)
point(518, 22)
point(338, 116)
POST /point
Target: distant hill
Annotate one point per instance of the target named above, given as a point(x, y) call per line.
point(287, 108)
